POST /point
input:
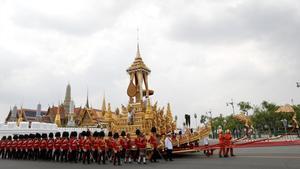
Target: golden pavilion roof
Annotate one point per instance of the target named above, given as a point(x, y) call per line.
point(285, 109)
point(138, 63)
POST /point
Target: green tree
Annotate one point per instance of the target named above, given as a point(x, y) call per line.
point(244, 106)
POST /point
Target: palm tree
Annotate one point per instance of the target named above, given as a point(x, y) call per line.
point(245, 106)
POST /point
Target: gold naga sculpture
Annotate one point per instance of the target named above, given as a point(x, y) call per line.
point(289, 110)
point(246, 120)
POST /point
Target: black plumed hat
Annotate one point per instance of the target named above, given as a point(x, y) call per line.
point(109, 134)
point(26, 136)
point(57, 134)
point(95, 134)
point(15, 137)
point(88, 133)
point(101, 134)
point(37, 135)
point(116, 135)
point(65, 134)
point(153, 129)
point(83, 133)
point(137, 132)
point(3, 138)
point(50, 135)
point(9, 137)
point(44, 135)
point(123, 133)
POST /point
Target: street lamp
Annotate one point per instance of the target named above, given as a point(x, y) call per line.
point(284, 122)
point(232, 105)
point(210, 116)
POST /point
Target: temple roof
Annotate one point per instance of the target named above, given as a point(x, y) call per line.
point(138, 63)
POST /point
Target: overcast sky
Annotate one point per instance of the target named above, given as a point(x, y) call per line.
point(202, 53)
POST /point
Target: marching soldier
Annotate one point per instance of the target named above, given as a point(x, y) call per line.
point(64, 147)
point(36, 146)
point(43, 147)
point(73, 147)
point(50, 146)
point(228, 143)
point(109, 146)
point(57, 144)
point(24, 153)
point(30, 147)
point(95, 146)
point(140, 142)
point(102, 147)
point(19, 147)
point(14, 145)
point(87, 147)
point(3, 147)
point(80, 142)
point(116, 149)
point(154, 143)
point(128, 154)
point(221, 144)
point(8, 152)
point(123, 144)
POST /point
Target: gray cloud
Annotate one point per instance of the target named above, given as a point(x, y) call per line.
point(202, 53)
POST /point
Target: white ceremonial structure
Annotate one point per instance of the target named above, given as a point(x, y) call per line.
point(11, 128)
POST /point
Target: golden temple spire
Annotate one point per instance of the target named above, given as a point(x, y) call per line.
point(103, 105)
point(57, 117)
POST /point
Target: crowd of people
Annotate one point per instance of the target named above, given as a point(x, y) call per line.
point(85, 147)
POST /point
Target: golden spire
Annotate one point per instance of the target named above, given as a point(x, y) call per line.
point(57, 117)
point(103, 105)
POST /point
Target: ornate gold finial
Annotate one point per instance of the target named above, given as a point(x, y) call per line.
point(148, 108)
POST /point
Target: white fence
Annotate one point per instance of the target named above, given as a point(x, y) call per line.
point(11, 128)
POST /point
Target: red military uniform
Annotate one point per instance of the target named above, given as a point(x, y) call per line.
point(29, 145)
point(115, 144)
point(96, 144)
point(80, 142)
point(222, 145)
point(102, 144)
point(65, 144)
point(36, 144)
point(153, 141)
point(43, 144)
point(3, 144)
point(140, 143)
point(227, 139)
point(87, 144)
point(108, 142)
point(227, 142)
point(73, 144)
point(57, 144)
point(8, 145)
point(50, 144)
point(24, 144)
point(14, 144)
point(19, 144)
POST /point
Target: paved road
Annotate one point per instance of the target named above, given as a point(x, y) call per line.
point(250, 158)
